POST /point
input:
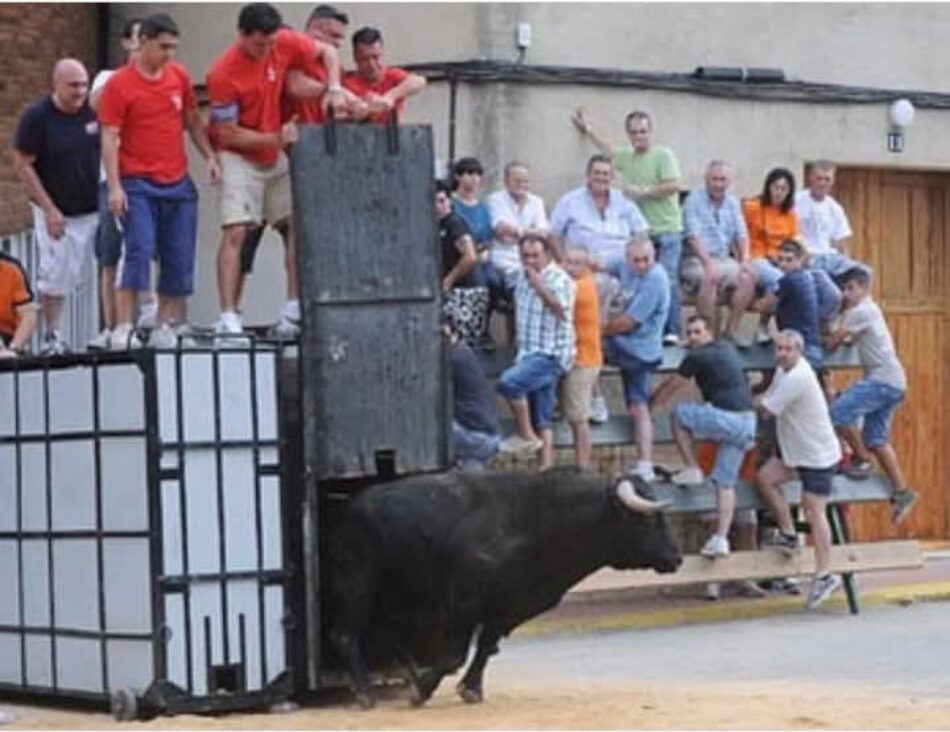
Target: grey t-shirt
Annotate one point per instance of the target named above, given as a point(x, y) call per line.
point(719, 376)
point(866, 323)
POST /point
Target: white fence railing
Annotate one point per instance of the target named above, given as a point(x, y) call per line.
point(80, 318)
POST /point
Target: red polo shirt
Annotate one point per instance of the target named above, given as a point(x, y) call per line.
point(392, 77)
point(150, 115)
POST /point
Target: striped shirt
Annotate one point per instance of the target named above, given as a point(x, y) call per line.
point(538, 329)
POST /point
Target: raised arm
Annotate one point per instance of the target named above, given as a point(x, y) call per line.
point(581, 121)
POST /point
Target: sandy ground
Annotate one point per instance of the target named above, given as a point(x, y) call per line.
point(578, 706)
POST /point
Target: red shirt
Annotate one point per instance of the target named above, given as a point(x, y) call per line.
point(391, 78)
point(150, 116)
point(248, 91)
point(308, 111)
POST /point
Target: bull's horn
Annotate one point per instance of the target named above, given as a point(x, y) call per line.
point(635, 502)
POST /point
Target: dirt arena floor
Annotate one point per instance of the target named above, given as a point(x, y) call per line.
point(581, 706)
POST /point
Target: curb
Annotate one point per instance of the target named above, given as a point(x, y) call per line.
point(740, 609)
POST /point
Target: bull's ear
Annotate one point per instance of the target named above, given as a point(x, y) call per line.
point(634, 501)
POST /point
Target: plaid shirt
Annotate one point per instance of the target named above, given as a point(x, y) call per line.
point(538, 329)
point(718, 227)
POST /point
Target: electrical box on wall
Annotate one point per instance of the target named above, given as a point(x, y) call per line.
point(523, 35)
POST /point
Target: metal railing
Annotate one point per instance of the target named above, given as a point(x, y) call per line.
point(80, 317)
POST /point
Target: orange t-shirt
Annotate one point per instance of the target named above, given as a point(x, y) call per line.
point(150, 116)
point(249, 91)
point(15, 292)
point(768, 227)
point(587, 323)
point(391, 78)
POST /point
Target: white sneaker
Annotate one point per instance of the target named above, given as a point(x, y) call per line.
point(599, 413)
point(99, 342)
point(716, 546)
point(643, 469)
point(763, 336)
point(54, 345)
point(123, 338)
point(713, 591)
point(286, 328)
point(517, 445)
point(186, 338)
point(671, 339)
point(148, 315)
point(163, 337)
point(690, 475)
point(229, 324)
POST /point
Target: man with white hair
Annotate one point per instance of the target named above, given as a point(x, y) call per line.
point(56, 155)
point(809, 450)
point(719, 242)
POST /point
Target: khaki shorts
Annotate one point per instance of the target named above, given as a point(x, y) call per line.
point(575, 392)
point(64, 262)
point(252, 194)
point(691, 271)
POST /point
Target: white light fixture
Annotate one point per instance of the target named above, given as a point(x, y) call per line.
point(901, 113)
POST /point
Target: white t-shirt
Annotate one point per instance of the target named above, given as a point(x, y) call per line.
point(821, 222)
point(805, 433)
point(875, 344)
point(503, 208)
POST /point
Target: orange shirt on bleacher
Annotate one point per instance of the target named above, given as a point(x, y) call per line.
point(587, 323)
point(14, 293)
point(768, 227)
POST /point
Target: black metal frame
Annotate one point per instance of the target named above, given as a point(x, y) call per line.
point(162, 696)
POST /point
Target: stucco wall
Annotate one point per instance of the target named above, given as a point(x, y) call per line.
point(880, 45)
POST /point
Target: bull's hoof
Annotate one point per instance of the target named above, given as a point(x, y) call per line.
point(469, 695)
point(365, 700)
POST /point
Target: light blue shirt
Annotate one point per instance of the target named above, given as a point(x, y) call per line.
point(646, 299)
point(577, 220)
point(718, 227)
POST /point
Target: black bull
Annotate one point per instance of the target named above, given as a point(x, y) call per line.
point(415, 567)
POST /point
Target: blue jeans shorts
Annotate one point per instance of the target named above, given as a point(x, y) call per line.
point(161, 219)
point(637, 375)
point(733, 433)
point(473, 446)
point(669, 252)
point(873, 400)
point(767, 276)
point(817, 481)
point(828, 293)
point(108, 236)
point(534, 376)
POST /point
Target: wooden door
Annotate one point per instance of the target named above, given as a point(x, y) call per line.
point(901, 222)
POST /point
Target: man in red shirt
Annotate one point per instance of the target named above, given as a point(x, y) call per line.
point(148, 104)
point(245, 85)
point(384, 88)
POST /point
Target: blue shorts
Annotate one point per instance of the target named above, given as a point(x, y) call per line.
point(637, 375)
point(873, 400)
point(829, 295)
point(733, 433)
point(472, 445)
point(817, 481)
point(108, 236)
point(533, 376)
point(767, 276)
point(161, 219)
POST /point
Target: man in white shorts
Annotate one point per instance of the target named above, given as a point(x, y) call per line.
point(56, 155)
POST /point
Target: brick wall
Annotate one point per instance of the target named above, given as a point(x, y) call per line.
point(32, 38)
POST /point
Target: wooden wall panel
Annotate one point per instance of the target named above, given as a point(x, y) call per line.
point(900, 224)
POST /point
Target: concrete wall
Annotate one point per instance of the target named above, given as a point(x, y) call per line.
point(880, 45)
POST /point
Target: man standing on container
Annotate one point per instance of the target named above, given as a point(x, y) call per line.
point(56, 155)
point(148, 105)
point(245, 85)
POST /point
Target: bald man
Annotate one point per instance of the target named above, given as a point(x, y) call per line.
point(56, 155)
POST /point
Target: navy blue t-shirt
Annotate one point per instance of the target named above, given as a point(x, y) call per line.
point(797, 306)
point(472, 398)
point(65, 148)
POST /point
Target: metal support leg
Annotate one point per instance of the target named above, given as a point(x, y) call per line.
point(839, 535)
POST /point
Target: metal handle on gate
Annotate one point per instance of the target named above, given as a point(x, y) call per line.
point(329, 132)
point(392, 133)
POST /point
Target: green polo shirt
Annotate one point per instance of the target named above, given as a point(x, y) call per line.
point(647, 169)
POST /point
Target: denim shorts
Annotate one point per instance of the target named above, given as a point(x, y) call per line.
point(472, 445)
point(637, 375)
point(873, 400)
point(733, 433)
point(108, 236)
point(817, 481)
point(767, 275)
point(533, 376)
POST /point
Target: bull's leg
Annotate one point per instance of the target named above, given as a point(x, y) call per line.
point(348, 646)
point(430, 679)
point(470, 687)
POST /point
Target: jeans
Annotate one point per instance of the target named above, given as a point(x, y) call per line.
point(733, 433)
point(473, 446)
point(873, 400)
point(534, 376)
point(829, 296)
point(767, 275)
point(637, 375)
point(669, 249)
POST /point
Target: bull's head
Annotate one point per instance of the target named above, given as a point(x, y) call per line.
point(645, 540)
